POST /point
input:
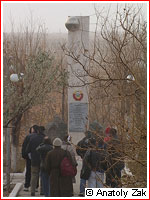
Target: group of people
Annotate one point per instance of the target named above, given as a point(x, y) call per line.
point(44, 159)
point(101, 154)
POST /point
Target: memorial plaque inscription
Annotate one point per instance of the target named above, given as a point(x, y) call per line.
point(78, 117)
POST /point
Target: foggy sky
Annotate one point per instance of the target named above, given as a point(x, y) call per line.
point(53, 15)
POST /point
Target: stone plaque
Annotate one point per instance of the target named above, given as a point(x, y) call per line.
point(78, 117)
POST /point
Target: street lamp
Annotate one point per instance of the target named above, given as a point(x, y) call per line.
point(16, 77)
point(130, 78)
point(13, 78)
point(130, 82)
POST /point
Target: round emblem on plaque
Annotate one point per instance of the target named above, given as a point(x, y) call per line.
point(78, 95)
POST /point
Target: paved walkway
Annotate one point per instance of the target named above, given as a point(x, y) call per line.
point(19, 178)
point(76, 185)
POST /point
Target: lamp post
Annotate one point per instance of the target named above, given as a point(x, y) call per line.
point(130, 80)
point(13, 78)
point(8, 158)
point(7, 61)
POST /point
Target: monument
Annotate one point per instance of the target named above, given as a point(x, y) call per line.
point(78, 46)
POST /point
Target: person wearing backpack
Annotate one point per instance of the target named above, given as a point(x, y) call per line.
point(67, 146)
point(96, 159)
point(60, 185)
point(43, 149)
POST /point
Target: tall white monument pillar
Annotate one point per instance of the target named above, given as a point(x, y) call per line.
point(78, 46)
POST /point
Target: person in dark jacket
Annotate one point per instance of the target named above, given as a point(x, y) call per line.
point(60, 186)
point(81, 149)
point(116, 161)
point(27, 157)
point(96, 159)
point(35, 140)
point(43, 149)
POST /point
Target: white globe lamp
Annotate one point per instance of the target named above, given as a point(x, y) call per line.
point(16, 77)
point(130, 78)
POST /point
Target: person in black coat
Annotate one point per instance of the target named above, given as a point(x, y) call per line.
point(27, 158)
point(97, 160)
point(43, 149)
point(35, 140)
point(81, 149)
point(116, 160)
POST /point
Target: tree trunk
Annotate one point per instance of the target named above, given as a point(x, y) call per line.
point(7, 140)
point(14, 157)
point(63, 103)
point(138, 108)
point(15, 141)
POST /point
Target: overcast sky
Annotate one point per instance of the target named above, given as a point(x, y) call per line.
point(53, 15)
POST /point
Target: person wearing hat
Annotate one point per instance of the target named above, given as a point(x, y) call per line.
point(60, 186)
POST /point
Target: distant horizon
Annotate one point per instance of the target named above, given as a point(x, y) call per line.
point(53, 15)
point(37, 32)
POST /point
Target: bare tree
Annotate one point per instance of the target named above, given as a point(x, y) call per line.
point(117, 73)
point(26, 52)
